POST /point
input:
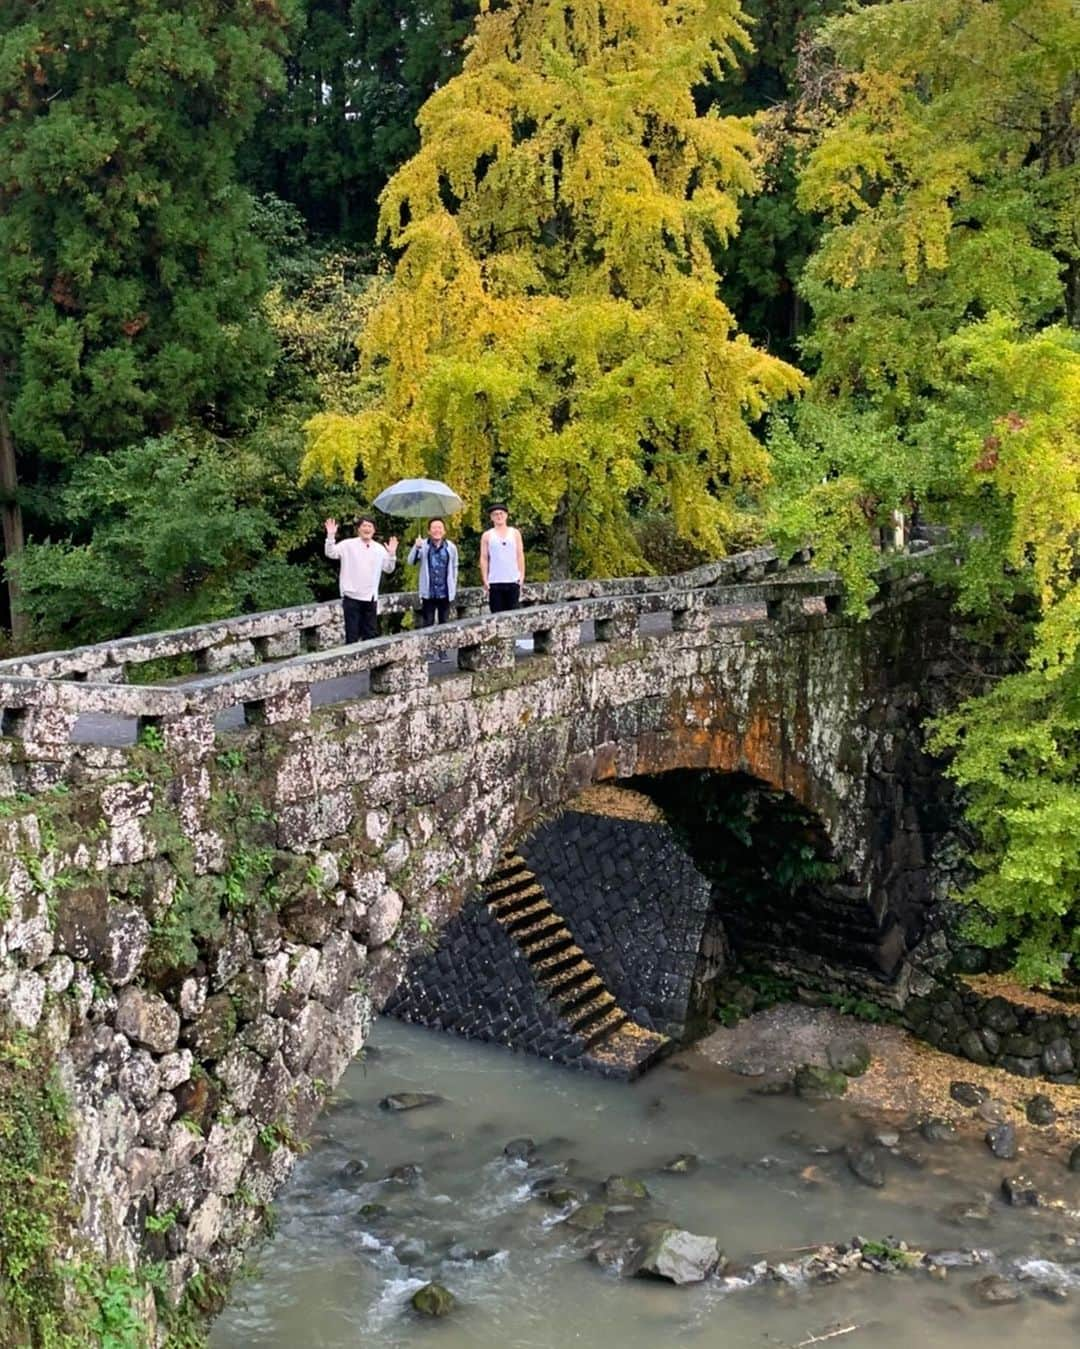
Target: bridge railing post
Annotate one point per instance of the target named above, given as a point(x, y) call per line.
point(399, 676)
point(559, 639)
point(493, 653)
point(620, 625)
point(291, 704)
point(689, 613)
point(781, 608)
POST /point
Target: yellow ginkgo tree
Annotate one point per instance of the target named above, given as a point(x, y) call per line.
point(554, 328)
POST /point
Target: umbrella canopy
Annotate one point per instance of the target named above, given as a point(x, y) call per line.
point(415, 497)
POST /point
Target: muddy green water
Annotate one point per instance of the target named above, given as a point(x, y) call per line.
point(331, 1280)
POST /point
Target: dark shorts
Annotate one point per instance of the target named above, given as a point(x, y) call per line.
point(503, 595)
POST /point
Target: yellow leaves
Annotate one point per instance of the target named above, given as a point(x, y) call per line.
point(554, 308)
point(1031, 450)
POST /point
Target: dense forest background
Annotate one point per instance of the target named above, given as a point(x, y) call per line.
point(671, 275)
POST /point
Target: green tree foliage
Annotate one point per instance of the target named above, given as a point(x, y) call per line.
point(554, 327)
point(763, 263)
point(945, 165)
point(358, 72)
point(180, 529)
point(1016, 414)
point(946, 169)
point(129, 278)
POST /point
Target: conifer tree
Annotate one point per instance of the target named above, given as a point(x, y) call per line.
point(554, 328)
point(357, 73)
point(129, 279)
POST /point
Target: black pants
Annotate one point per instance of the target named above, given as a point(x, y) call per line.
point(361, 619)
point(503, 595)
point(434, 610)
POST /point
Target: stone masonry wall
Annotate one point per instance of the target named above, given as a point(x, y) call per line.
point(636, 904)
point(479, 985)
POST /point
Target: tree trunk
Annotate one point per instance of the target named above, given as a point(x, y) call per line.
point(11, 519)
point(560, 540)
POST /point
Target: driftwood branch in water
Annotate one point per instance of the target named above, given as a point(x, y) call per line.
point(828, 1335)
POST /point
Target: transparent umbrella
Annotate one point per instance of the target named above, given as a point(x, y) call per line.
point(413, 498)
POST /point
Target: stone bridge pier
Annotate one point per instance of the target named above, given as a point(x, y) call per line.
point(208, 883)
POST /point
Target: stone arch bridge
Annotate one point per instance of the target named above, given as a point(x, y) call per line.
point(221, 848)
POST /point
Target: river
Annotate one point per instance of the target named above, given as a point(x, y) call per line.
point(771, 1178)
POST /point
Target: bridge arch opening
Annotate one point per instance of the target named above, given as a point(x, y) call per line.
point(603, 933)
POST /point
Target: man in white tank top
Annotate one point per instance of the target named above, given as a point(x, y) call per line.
point(502, 562)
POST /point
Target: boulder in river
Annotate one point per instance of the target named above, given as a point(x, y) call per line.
point(848, 1056)
point(411, 1251)
point(819, 1084)
point(1074, 1159)
point(1020, 1192)
point(1041, 1110)
point(996, 1290)
point(937, 1131)
point(409, 1100)
point(433, 1300)
point(462, 1254)
point(371, 1213)
point(623, 1189)
point(408, 1173)
point(865, 1164)
point(519, 1149)
point(681, 1165)
point(561, 1196)
point(968, 1093)
point(663, 1251)
point(587, 1218)
point(1001, 1140)
point(967, 1212)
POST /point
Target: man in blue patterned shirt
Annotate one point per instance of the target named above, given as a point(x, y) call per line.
point(438, 559)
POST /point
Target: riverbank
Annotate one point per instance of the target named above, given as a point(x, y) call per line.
point(906, 1080)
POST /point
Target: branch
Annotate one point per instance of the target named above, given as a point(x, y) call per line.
point(829, 1335)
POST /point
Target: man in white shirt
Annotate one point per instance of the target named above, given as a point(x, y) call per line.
point(363, 562)
point(502, 561)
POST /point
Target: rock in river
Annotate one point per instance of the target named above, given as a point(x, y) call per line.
point(587, 1218)
point(1020, 1192)
point(937, 1131)
point(433, 1300)
point(819, 1084)
point(1041, 1110)
point(1074, 1159)
point(519, 1149)
point(865, 1164)
point(621, 1189)
point(409, 1100)
point(682, 1164)
point(665, 1252)
point(1001, 1140)
point(997, 1290)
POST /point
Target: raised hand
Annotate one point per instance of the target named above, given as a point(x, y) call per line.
point(331, 525)
point(391, 545)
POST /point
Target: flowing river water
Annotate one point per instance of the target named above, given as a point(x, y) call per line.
point(771, 1178)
